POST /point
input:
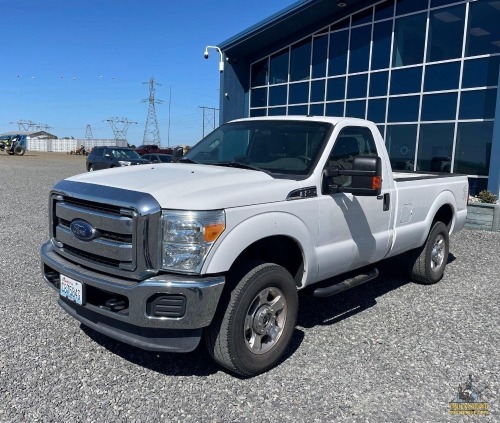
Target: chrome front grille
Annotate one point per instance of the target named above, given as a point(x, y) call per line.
point(125, 225)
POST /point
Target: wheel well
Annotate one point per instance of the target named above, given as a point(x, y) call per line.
point(445, 215)
point(277, 249)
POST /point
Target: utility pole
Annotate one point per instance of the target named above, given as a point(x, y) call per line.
point(151, 130)
point(209, 120)
point(88, 133)
point(120, 127)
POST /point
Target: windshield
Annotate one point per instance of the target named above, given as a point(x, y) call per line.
point(283, 147)
point(125, 154)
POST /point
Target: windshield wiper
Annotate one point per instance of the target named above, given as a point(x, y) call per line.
point(182, 160)
point(240, 165)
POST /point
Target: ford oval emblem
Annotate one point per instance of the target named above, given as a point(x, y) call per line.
point(83, 230)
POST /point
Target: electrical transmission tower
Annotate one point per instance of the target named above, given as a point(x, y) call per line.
point(120, 127)
point(151, 131)
point(88, 133)
point(209, 118)
point(43, 127)
point(25, 125)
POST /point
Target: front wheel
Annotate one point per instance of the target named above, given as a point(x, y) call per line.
point(255, 321)
point(426, 264)
point(19, 150)
point(91, 168)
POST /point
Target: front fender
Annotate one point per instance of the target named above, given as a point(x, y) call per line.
point(256, 228)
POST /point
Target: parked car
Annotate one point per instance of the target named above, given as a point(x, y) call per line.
point(152, 149)
point(107, 157)
point(218, 244)
point(158, 158)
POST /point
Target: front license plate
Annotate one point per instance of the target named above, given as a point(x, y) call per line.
point(71, 289)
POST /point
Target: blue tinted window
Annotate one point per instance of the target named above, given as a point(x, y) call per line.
point(381, 129)
point(473, 150)
point(408, 6)
point(403, 109)
point(335, 109)
point(480, 72)
point(300, 61)
point(299, 93)
point(483, 31)
point(376, 110)
point(277, 95)
point(400, 142)
point(356, 86)
point(384, 10)
point(320, 53)
point(344, 23)
point(478, 104)
point(436, 3)
point(435, 145)
point(336, 89)
point(360, 48)
point(318, 90)
point(409, 39)
point(381, 50)
point(297, 110)
point(439, 106)
point(442, 77)
point(259, 97)
point(446, 29)
point(365, 16)
point(276, 111)
point(338, 52)
point(404, 81)
point(378, 83)
point(259, 73)
point(279, 67)
point(257, 112)
point(317, 109)
point(355, 109)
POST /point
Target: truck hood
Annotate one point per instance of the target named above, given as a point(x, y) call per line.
point(186, 186)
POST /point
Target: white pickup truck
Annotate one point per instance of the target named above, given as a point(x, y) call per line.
point(219, 243)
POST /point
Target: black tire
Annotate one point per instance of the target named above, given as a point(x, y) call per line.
point(91, 168)
point(426, 264)
point(19, 150)
point(255, 320)
point(10, 153)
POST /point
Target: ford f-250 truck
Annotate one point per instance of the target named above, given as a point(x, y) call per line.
point(218, 244)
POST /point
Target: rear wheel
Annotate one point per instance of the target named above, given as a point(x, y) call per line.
point(426, 264)
point(255, 321)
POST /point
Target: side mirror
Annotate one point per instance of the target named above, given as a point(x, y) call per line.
point(177, 154)
point(366, 174)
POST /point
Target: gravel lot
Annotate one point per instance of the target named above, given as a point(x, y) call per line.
point(386, 351)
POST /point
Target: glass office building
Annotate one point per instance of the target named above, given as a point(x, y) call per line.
point(425, 71)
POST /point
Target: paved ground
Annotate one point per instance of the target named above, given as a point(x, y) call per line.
point(387, 351)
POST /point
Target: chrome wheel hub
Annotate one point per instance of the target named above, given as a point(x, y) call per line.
point(265, 320)
point(437, 253)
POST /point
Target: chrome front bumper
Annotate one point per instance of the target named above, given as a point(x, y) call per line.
point(136, 324)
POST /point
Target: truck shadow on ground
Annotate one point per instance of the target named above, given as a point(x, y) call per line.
point(312, 312)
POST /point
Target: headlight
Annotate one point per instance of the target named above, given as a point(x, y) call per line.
point(124, 163)
point(188, 237)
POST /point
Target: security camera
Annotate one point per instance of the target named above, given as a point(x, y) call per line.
point(205, 55)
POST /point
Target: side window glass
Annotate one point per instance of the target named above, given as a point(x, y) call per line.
point(351, 142)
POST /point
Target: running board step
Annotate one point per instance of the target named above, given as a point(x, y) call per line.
point(346, 284)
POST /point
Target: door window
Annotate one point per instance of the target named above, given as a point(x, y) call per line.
point(351, 142)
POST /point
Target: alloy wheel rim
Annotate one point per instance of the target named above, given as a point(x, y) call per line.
point(265, 320)
point(437, 253)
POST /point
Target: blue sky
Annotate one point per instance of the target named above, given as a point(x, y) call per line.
point(69, 63)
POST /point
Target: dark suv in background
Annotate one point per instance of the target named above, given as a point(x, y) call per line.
point(106, 157)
